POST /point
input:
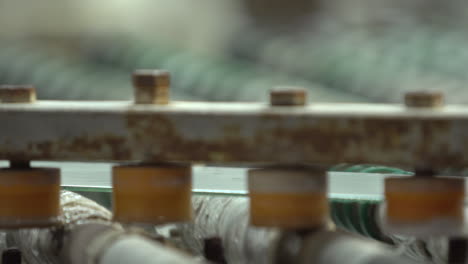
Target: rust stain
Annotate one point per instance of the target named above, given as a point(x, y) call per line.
point(435, 148)
point(269, 138)
point(325, 141)
point(333, 140)
point(149, 132)
point(89, 148)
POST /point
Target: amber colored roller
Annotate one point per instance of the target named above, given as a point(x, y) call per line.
point(420, 200)
point(290, 198)
point(152, 194)
point(29, 197)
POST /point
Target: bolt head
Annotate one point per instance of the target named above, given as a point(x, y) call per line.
point(288, 96)
point(151, 78)
point(424, 99)
point(17, 94)
point(151, 86)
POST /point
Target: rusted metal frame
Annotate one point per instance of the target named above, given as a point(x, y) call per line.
point(235, 133)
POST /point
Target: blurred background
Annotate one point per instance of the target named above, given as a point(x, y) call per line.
point(341, 50)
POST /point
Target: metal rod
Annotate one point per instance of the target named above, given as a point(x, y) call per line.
point(235, 133)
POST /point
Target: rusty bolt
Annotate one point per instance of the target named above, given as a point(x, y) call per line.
point(151, 86)
point(17, 94)
point(424, 99)
point(288, 96)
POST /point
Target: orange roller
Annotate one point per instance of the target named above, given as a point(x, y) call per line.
point(288, 198)
point(29, 197)
point(152, 194)
point(414, 204)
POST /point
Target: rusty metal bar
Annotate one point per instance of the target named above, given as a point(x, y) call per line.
point(235, 133)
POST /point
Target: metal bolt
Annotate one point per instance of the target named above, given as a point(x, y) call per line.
point(457, 250)
point(20, 164)
point(11, 256)
point(424, 172)
point(17, 94)
point(288, 96)
point(151, 86)
point(424, 99)
point(213, 250)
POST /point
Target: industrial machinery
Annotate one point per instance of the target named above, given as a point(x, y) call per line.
point(286, 145)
